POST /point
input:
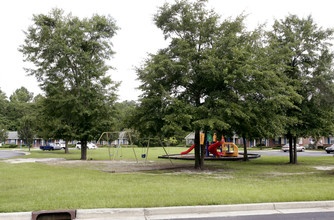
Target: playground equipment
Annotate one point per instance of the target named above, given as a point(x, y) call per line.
point(213, 149)
point(230, 149)
point(109, 137)
point(226, 149)
point(187, 151)
point(144, 155)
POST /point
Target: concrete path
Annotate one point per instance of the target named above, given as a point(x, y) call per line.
point(191, 211)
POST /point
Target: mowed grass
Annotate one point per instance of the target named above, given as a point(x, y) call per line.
point(38, 186)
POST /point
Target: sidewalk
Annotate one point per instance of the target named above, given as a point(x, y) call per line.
point(191, 211)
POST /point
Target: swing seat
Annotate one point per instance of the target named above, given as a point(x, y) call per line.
point(143, 155)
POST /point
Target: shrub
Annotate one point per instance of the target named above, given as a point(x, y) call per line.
point(9, 146)
point(71, 145)
point(278, 147)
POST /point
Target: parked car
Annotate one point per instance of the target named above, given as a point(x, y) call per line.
point(330, 149)
point(53, 146)
point(89, 145)
point(286, 148)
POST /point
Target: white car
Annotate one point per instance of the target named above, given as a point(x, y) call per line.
point(330, 149)
point(286, 148)
point(89, 146)
point(57, 146)
point(60, 145)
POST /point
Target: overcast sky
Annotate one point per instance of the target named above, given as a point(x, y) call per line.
point(138, 35)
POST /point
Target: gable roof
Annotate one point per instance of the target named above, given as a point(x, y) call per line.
point(190, 136)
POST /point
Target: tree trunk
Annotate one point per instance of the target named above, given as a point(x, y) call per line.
point(83, 150)
point(197, 150)
point(295, 151)
point(245, 149)
point(289, 136)
point(66, 147)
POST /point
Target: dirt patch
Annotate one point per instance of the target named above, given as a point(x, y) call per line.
point(324, 167)
point(129, 166)
point(284, 174)
point(33, 160)
point(117, 166)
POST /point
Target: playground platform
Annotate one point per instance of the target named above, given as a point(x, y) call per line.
point(192, 157)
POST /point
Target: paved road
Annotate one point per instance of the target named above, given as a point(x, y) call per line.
point(299, 154)
point(295, 216)
point(9, 154)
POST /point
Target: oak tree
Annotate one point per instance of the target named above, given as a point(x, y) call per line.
point(69, 55)
point(303, 52)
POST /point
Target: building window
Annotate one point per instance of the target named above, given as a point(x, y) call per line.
point(277, 140)
point(264, 142)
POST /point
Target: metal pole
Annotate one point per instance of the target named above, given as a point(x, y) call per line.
point(165, 151)
point(148, 145)
point(133, 148)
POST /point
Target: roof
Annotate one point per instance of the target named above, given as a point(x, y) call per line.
point(190, 136)
point(13, 135)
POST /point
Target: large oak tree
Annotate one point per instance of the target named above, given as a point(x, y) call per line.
point(69, 56)
point(303, 52)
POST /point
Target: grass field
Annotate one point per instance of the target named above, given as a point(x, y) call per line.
point(40, 186)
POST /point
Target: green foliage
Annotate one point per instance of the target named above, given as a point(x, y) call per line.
point(3, 133)
point(254, 95)
point(69, 55)
point(302, 50)
point(26, 131)
point(71, 145)
point(213, 76)
point(21, 95)
point(9, 146)
point(3, 108)
point(177, 80)
point(219, 76)
point(21, 104)
point(124, 110)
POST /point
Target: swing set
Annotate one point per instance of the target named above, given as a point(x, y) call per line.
point(114, 151)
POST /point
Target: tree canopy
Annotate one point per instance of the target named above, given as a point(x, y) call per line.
point(21, 95)
point(3, 108)
point(217, 75)
point(69, 56)
point(303, 51)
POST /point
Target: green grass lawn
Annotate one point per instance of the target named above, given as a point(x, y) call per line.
point(38, 186)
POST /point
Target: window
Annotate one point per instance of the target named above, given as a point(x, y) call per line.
point(277, 140)
point(264, 141)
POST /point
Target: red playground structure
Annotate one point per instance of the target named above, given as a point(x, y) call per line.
point(227, 149)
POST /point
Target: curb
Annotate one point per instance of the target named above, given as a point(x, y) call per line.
point(205, 211)
point(190, 211)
